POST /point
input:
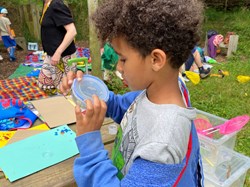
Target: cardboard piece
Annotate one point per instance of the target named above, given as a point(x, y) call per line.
point(55, 111)
point(35, 153)
point(22, 134)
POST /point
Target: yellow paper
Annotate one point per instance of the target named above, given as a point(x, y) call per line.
point(5, 136)
point(40, 127)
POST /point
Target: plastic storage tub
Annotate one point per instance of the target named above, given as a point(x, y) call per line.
point(230, 172)
point(210, 144)
point(86, 88)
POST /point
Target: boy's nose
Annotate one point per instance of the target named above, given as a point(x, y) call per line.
point(119, 67)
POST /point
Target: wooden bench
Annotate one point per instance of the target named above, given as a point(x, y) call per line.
point(229, 48)
point(60, 174)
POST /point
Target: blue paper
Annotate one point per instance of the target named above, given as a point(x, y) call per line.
point(35, 153)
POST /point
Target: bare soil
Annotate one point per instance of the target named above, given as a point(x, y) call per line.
point(6, 66)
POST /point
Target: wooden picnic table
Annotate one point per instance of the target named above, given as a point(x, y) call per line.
point(60, 174)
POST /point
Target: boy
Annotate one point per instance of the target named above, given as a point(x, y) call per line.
point(156, 144)
point(5, 30)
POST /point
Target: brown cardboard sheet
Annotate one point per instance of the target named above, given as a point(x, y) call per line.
point(56, 111)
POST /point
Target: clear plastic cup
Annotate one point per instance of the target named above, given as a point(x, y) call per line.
point(88, 86)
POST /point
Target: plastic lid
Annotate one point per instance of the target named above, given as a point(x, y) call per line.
point(88, 86)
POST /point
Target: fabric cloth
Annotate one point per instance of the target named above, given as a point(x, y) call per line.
point(50, 76)
point(93, 168)
point(21, 71)
point(24, 88)
point(52, 28)
point(218, 39)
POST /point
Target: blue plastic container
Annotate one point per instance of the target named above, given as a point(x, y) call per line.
point(88, 86)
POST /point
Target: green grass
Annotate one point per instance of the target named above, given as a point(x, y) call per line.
point(226, 97)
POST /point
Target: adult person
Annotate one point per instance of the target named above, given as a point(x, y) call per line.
point(57, 35)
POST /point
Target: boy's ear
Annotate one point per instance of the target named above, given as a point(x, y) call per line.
point(158, 59)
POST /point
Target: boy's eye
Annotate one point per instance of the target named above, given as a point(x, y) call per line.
point(123, 60)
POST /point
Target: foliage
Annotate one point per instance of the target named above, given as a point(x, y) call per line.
point(23, 2)
point(115, 84)
point(225, 97)
point(79, 10)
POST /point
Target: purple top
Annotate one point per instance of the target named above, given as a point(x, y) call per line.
point(211, 47)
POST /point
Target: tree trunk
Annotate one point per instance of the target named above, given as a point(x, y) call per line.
point(94, 44)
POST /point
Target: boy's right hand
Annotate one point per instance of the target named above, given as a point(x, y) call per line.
point(67, 81)
point(92, 118)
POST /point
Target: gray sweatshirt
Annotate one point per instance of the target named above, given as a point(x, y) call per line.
point(158, 133)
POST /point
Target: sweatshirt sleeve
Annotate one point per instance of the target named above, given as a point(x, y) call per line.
point(118, 104)
point(94, 168)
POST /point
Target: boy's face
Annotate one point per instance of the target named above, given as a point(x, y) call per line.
point(134, 68)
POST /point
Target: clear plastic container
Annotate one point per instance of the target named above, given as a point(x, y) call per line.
point(231, 172)
point(210, 144)
point(88, 86)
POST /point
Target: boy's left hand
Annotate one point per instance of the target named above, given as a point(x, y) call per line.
point(92, 118)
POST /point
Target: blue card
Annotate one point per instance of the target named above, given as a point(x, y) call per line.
point(35, 153)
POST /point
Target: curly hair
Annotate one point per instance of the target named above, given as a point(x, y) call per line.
point(170, 25)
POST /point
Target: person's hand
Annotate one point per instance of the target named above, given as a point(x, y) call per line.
point(55, 59)
point(67, 81)
point(92, 118)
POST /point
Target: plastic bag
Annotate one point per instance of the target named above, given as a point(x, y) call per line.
point(193, 77)
point(14, 114)
point(243, 79)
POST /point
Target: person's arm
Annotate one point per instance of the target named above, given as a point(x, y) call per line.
point(118, 104)
point(68, 38)
point(94, 168)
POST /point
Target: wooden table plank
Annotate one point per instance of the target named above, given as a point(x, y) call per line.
point(59, 175)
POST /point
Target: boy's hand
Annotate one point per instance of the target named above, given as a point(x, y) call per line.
point(92, 118)
point(67, 81)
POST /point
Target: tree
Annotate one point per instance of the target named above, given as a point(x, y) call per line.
point(94, 44)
